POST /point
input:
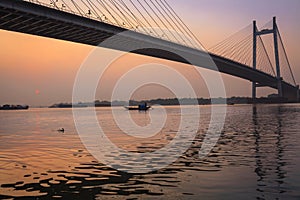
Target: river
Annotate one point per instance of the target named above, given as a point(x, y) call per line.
point(256, 157)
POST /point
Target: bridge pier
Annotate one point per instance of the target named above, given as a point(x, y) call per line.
point(253, 90)
point(279, 87)
point(298, 94)
point(274, 32)
point(291, 94)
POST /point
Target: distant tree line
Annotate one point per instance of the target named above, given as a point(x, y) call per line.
point(175, 101)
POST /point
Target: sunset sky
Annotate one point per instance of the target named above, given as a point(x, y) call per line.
point(41, 71)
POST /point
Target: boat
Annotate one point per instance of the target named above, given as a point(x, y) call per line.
point(141, 107)
point(137, 108)
point(14, 107)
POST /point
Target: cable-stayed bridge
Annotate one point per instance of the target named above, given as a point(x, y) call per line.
point(147, 26)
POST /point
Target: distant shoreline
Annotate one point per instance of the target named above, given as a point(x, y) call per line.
point(175, 101)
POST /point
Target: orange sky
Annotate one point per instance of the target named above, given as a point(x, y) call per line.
point(41, 71)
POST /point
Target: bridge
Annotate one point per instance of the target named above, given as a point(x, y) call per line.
point(88, 22)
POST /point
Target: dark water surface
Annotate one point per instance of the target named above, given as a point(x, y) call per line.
point(256, 157)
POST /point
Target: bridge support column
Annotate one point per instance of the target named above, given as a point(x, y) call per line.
point(253, 90)
point(254, 58)
point(278, 74)
point(298, 94)
point(279, 87)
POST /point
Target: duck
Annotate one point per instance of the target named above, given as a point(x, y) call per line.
point(61, 130)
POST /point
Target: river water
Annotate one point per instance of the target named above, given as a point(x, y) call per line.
point(256, 157)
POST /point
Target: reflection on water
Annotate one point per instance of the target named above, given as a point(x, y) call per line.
point(269, 163)
point(273, 161)
point(256, 157)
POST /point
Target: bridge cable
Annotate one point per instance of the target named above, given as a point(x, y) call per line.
point(117, 13)
point(154, 20)
point(92, 9)
point(103, 5)
point(242, 54)
point(154, 31)
point(261, 61)
point(184, 25)
point(223, 46)
point(101, 12)
point(77, 7)
point(119, 8)
point(172, 15)
point(163, 23)
point(285, 55)
point(234, 50)
point(230, 40)
point(172, 27)
point(177, 25)
point(89, 9)
point(64, 4)
point(266, 53)
point(230, 49)
point(134, 17)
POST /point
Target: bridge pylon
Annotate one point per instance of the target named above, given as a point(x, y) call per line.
point(274, 32)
